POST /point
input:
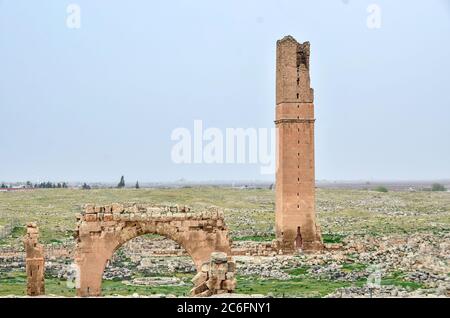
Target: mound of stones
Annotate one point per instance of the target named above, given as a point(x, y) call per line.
point(216, 277)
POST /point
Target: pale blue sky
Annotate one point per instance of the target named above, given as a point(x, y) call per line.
point(94, 103)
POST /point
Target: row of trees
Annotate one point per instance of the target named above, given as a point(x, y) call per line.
point(434, 187)
point(49, 185)
point(121, 183)
point(41, 185)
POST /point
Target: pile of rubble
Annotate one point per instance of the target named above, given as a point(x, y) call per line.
point(387, 292)
point(155, 281)
point(216, 277)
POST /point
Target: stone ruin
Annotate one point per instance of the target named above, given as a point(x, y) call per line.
point(34, 261)
point(215, 277)
point(102, 229)
point(295, 210)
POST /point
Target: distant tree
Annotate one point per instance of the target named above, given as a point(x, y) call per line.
point(85, 186)
point(64, 185)
point(3, 186)
point(121, 183)
point(438, 187)
point(29, 184)
point(137, 184)
point(381, 189)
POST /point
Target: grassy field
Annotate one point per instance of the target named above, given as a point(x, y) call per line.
point(14, 283)
point(248, 213)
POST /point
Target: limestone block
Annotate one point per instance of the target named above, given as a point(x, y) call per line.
point(229, 285)
point(90, 217)
point(219, 257)
point(32, 230)
point(229, 275)
point(92, 227)
point(199, 278)
point(205, 267)
point(89, 208)
point(198, 289)
point(218, 270)
point(214, 283)
point(117, 208)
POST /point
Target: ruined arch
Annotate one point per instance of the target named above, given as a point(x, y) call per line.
point(101, 230)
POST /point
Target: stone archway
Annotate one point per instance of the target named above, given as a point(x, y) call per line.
point(101, 230)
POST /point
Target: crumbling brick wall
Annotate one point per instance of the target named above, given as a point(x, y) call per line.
point(35, 264)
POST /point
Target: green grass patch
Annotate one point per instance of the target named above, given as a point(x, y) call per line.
point(302, 270)
point(296, 287)
point(267, 238)
point(18, 231)
point(118, 288)
point(398, 279)
point(381, 189)
point(350, 267)
point(14, 283)
point(332, 238)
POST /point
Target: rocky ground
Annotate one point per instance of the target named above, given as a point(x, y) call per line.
point(387, 266)
point(380, 245)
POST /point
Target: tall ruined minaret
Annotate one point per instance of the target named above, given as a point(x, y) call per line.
point(296, 225)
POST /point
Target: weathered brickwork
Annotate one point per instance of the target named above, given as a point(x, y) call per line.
point(295, 179)
point(101, 230)
point(34, 261)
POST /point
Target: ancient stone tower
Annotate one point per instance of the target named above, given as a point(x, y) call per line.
point(295, 180)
